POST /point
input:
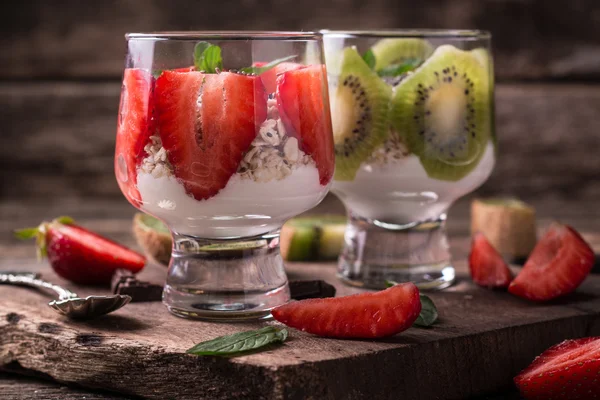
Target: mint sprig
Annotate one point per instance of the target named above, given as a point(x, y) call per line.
point(399, 69)
point(429, 313)
point(266, 67)
point(369, 58)
point(240, 342)
point(207, 57)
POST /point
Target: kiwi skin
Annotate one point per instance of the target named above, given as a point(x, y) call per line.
point(456, 81)
point(152, 238)
point(360, 114)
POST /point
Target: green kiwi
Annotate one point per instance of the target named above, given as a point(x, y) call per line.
point(485, 59)
point(441, 111)
point(312, 238)
point(359, 109)
point(153, 237)
point(396, 51)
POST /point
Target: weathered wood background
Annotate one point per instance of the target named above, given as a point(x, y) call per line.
point(61, 62)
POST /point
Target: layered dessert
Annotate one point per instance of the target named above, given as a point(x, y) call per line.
point(219, 153)
point(413, 127)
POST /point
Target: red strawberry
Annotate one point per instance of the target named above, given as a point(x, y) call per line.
point(134, 129)
point(558, 264)
point(79, 255)
point(269, 77)
point(486, 264)
point(184, 69)
point(365, 315)
point(206, 140)
point(304, 108)
point(570, 370)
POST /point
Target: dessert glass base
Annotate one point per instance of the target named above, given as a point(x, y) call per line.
point(375, 252)
point(225, 279)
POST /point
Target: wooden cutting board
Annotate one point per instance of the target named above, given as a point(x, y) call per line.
point(482, 340)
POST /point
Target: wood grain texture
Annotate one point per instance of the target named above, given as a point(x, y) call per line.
point(533, 39)
point(139, 349)
point(64, 139)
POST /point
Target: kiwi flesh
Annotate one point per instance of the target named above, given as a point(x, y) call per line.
point(359, 108)
point(441, 111)
point(313, 238)
point(153, 236)
point(486, 61)
point(397, 51)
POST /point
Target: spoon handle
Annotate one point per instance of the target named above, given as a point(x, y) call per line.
point(30, 280)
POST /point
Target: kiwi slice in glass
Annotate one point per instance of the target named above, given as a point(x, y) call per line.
point(441, 111)
point(389, 52)
point(485, 59)
point(360, 108)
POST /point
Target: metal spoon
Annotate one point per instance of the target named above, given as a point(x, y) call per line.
point(68, 303)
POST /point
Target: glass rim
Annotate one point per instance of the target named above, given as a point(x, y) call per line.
point(225, 35)
point(465, 34)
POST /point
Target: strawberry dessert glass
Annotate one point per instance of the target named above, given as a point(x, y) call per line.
point(413, 128)
point(224, 136)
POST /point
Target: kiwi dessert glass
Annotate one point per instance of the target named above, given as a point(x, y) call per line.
point(224, 136)
point(413, 125)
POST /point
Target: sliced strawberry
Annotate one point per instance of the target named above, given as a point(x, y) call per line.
point(558, 264)
point(304, 108)
point(184, 69)
point(269, 78)
point(570, 370)
point(486, 264)
point(135, 126)
point(79, 255)
point(207, 138)
point(365, 315)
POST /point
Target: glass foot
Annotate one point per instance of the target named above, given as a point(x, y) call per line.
point(375, 252)
point(225, 280)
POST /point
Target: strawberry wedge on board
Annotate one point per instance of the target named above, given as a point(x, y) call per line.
point(365, 315)
point(301, 100)
point(570, 370)
point(79, 255)
point(558, 264)
point(135, 126)
point(487, 266)
point(207, 123)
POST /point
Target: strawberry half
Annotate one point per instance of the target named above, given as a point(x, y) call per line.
point(79, 255)
point(207, 123)
point(134, 129)
point(558, 264)
point(304, 108)
point(487, 267)
point(269, 77)
point(364, 315)
point(569, 370)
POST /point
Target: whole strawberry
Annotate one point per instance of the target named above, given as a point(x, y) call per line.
point(79, 255)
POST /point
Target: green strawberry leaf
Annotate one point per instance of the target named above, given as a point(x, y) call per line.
point(26, 233)
point(369, 58)
point(207, 57)
point(240, 342)
point(266, 67)
point(399, 69)
point(65, 220)
point(429, 313)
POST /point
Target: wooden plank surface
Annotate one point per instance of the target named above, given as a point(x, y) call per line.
point(533, 39)
point(64, 133)
point(138, 350)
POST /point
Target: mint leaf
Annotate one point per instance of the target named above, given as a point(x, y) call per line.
point(156, 73)
point(240, 342)
point(266, 67)
point(207, 57)
point(369, 58)
point(429, 313)
point(26, 233)
point(399, 69)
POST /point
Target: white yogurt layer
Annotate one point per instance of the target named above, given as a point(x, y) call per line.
point(242, 208)
point(400, 192)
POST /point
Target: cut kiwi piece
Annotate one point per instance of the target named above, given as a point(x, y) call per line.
point(485, 59)
point(313, 238)
point(398, 51)
point(441, 111)
point(153, 237)
point(359, 107)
